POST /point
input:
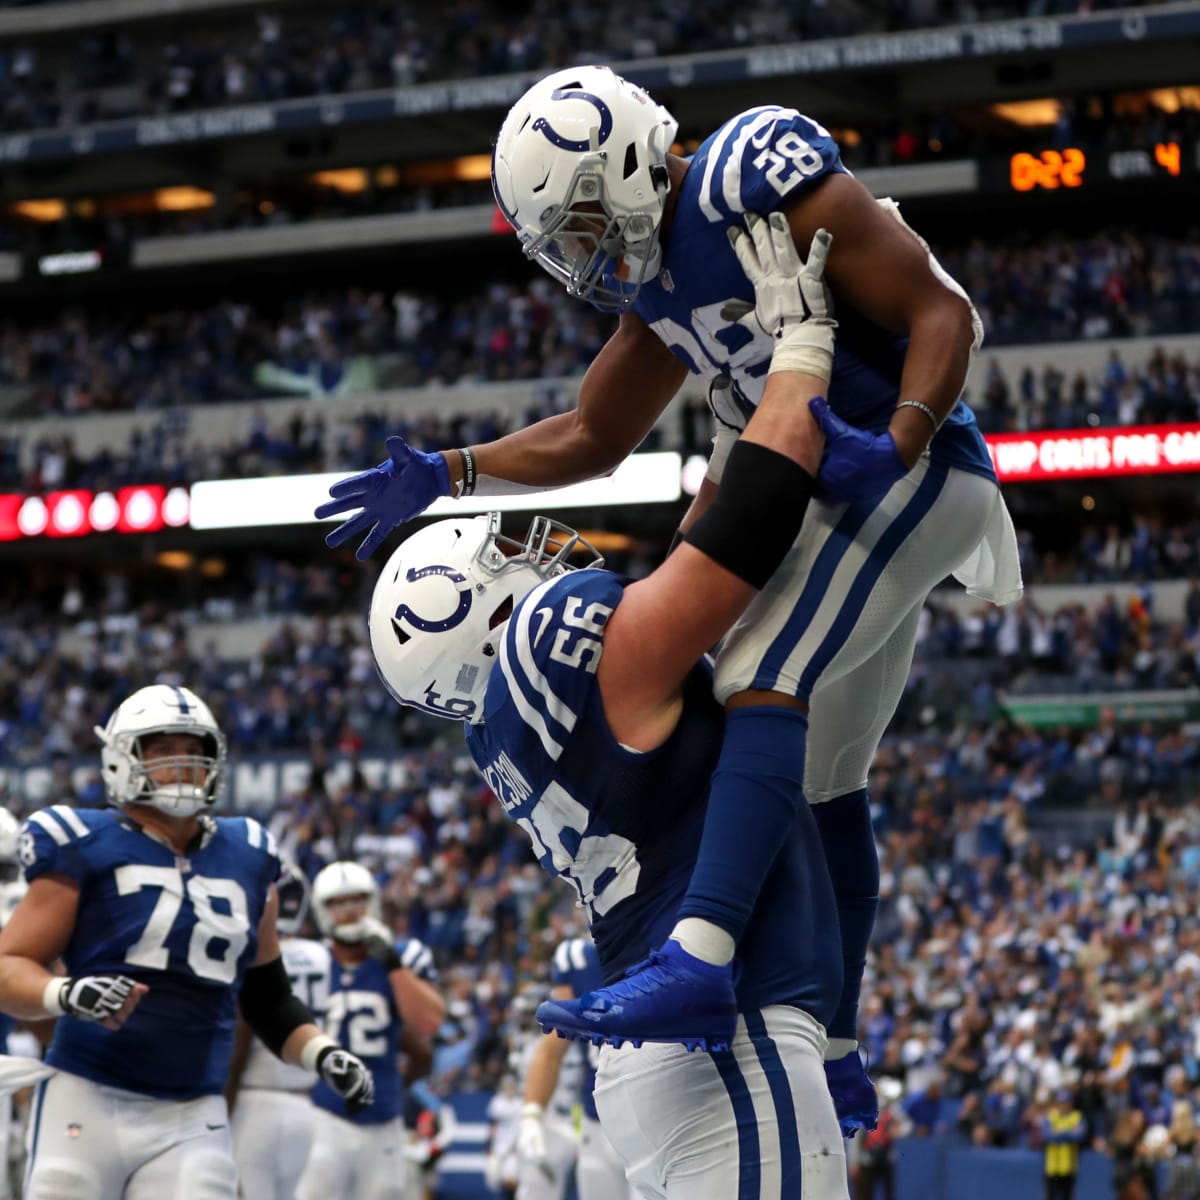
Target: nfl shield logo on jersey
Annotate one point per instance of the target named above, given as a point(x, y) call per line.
point(73, 1130)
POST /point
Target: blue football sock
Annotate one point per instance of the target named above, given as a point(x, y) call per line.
point(756, 792)
point(846, 834)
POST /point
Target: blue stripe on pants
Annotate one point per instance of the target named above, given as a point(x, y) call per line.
point(815, 587)
point(33, 1141)
point(790, 1166)
point(749, 1150)
point(881, 554)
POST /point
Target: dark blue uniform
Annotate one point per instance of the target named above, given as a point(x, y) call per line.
point(761, 161)
point(363, 1018)
point(184, 925)
point(623, 828)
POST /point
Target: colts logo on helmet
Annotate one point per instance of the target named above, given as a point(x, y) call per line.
point(457, 617)
point(564, 143)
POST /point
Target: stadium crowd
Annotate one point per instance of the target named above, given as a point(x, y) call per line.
point(112, 73)
point(339, 342)
point(1018, 955)
point(298, 671)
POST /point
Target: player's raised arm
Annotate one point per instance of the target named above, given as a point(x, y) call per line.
point(418, 999)
point(668, 620)
point(626, 388)
point(881, 268)
point(594, 221)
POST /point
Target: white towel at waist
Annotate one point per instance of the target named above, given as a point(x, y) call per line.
point(993, 569)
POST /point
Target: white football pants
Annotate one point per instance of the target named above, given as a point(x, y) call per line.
point(599, 1172)
point(353, 1162)
point(837, 623)
point(754, 1122)
point(90, 1142)
point(272, 1135)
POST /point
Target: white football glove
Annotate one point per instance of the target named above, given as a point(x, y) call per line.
point(89, 997)
point(347, 1075)
point(380, 943)
point(531, 1139)
point(792, 303)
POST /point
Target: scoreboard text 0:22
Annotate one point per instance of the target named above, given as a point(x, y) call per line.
point(1073, 167)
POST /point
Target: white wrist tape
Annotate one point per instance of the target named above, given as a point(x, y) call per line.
point(723, 441)
point(311, 1050)
point(52, 996)
point(807, 347)
point(532, 1109)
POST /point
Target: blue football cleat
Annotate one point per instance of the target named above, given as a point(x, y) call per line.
point(854, 1098)
point(668, 997)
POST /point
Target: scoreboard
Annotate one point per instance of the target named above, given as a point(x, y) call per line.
point(1078, 167)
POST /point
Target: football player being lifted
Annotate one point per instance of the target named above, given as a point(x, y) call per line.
point(589, 710)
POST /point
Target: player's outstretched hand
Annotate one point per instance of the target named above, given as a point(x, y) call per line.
point(787, 292)
point(855, 465)
point(106, 999)
point(404, 485)
point(347, 1075)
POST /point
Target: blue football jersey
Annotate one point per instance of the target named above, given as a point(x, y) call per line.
point(621, 827)
point(761, 161)
point(363, 1018)
point(184, 925)
point(576, 965)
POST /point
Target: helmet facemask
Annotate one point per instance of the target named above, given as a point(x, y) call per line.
point(596, 253)
point(579, 170)
point(179, 799)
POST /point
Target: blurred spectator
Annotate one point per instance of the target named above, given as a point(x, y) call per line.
point(1183, 1167)
point(876, 1159)
point(284, 53)
point(1063, 1132)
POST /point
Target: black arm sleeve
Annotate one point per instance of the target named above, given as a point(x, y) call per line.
point(756, 515)
point(270, 1008)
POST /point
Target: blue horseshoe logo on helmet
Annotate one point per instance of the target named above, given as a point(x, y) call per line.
point(457, 617)
point(564, 143)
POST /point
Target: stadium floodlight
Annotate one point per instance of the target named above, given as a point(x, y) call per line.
point(651, 478)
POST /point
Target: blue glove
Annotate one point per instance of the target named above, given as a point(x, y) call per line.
point(400, 488)
point(856, 465)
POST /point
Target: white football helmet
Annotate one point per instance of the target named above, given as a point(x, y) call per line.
point(160, 708)
point(335, 882)
point(579, 171)
point(442, 600)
